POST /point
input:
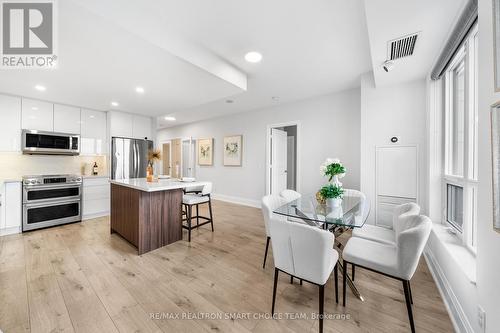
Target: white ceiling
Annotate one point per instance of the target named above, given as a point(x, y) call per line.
point(189, 55)
point(100, 62)
point(391, 19)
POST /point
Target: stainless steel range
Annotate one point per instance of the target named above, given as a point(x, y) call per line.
point(51, 200)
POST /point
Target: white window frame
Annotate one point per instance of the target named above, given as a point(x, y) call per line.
point(468, 181)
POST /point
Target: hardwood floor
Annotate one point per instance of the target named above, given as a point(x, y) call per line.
point(80, 278)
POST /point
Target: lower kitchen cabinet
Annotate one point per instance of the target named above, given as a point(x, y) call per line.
point(95, 197)
point(11, 213)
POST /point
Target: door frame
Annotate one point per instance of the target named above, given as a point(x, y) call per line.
point(192, 157)
point(170, 153)
point(297, 156)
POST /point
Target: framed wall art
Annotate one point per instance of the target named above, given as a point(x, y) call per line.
point(233, 152)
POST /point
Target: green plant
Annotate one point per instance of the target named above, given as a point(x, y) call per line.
point(331, 191)
point(334, 169)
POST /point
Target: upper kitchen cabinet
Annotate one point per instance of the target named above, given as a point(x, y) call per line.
point(121, 124)
point(93, 132)
point(10, 123)
point(66, 119)
point(37, 115)
point(141, 127)
point(129, 126)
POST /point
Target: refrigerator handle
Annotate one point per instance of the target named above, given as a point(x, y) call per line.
point(137, 160)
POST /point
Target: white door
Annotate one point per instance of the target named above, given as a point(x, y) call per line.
point(188, 151)
point(278, 161)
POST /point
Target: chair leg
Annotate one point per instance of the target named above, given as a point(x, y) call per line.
point(411, 295)
point(321, 305)
point(344, 286)
point(265, 254)
point(406, 288)
point(210, 211)
point(336, 278)
point(189, 208)
point(276, 272)
point(353, 271)
point(197, 216)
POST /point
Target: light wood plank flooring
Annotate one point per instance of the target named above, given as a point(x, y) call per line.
point(80, 278)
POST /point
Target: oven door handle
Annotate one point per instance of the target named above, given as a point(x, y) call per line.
point(49, 187)
point(51, 203)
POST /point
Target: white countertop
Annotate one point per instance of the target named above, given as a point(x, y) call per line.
point(161, 185)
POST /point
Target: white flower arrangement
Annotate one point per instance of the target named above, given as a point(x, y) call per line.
point(332, 167)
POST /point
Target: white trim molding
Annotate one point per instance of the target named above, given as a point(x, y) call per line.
point(455, 310)
point(237, 200)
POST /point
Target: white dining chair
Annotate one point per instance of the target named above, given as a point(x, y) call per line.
point(397, 261)
point(196, 199)
point(269, 204)
point(290, 195)
point(304, 252)
point(364, 205)
point(383, 234)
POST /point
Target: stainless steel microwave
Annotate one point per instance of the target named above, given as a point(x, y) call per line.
point(50, 143)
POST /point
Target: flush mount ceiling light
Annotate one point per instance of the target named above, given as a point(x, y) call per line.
point(253, 57)
point(40, 87)
point(168, 118)
point(114, 103)
point(140, 90)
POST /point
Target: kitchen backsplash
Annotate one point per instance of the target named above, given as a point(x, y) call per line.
point(15, 165)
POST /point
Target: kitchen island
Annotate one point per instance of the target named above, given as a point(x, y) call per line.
point(148, 215)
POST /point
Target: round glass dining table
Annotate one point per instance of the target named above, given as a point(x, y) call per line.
point(338, 220)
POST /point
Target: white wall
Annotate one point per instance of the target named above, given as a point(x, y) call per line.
point(488, 250)
point(388, 111)
point(329, 128)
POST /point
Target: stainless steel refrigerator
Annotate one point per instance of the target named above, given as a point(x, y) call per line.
point(129, 158)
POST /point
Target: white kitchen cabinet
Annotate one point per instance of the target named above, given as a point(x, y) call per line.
point(12, 208)
point(37, 115)
point(96, 197)
point(121, 124)
point(93, 133)
point(141, 127)
point(66, 119)
point(10, 123)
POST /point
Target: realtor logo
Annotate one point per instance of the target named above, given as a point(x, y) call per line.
point(28, 34)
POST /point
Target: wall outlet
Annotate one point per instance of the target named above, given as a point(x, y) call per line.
point(481, 317)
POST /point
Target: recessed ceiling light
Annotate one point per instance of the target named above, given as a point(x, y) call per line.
point(140, 90)
point(34, 108)
point(253, 57)
point(40, 88)
point(169, 118)
point(229, 101)
point(114, 103)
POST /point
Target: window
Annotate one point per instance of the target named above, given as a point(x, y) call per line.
point(460, 171)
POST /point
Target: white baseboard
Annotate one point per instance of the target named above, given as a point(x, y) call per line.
point(10, 231)
point(237, 200)
point(457, 314)
point(94, 216)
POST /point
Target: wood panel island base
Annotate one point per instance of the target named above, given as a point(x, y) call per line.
point(148, 215)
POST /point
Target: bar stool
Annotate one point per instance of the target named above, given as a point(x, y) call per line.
point(196, 199)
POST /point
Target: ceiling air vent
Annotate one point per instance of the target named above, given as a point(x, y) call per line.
point(402, 47)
